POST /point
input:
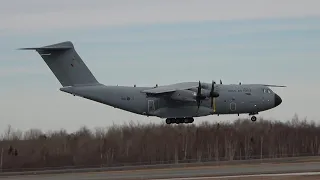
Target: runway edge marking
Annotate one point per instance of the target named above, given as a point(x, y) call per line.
point(239, 176)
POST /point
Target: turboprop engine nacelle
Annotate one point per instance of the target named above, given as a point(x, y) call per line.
point(184, 95)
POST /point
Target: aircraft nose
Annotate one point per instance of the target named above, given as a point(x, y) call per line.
point(277, 100)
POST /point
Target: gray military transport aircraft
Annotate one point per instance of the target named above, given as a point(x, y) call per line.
point(177, 103)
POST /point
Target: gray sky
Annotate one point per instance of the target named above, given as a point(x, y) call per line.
point(38, 15)
point(229, 38)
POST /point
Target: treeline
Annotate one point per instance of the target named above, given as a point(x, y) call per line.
point(136, 143)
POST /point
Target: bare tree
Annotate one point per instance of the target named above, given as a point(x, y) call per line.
point(136, 143)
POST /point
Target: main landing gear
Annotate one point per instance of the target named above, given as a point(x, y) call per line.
point(179, 120)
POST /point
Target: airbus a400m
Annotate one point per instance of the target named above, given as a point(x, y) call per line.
point(176, 103)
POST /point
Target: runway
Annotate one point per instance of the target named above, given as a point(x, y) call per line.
point(242, 171)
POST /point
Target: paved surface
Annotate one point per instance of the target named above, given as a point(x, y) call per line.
point(174, 173)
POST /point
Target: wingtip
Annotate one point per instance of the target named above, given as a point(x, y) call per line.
point(271, 85)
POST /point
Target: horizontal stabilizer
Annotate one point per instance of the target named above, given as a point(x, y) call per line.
point(59, 46)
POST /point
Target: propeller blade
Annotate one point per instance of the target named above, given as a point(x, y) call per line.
point(198, 95)
point(211, 93)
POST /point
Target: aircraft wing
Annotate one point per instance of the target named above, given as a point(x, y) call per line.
point(171, 88)
point(272, 85)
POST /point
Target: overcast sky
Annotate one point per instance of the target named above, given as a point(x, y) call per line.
point(124, 42)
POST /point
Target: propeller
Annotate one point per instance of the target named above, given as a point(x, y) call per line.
point(199, 96)
point(213, 94)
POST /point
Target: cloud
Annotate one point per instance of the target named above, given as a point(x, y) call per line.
point(202, 31)
point(20, 70)
point(37, 15)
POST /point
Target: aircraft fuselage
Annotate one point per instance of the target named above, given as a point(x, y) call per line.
point(233, 99)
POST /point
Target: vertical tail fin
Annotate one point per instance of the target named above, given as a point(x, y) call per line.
point(66, 64)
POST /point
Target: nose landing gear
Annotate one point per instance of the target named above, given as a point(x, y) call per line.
point(253, 118)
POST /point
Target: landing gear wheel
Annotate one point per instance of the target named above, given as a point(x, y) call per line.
point(253, 118)
point(168, 121)
point(188, 120)
point(191, 120)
